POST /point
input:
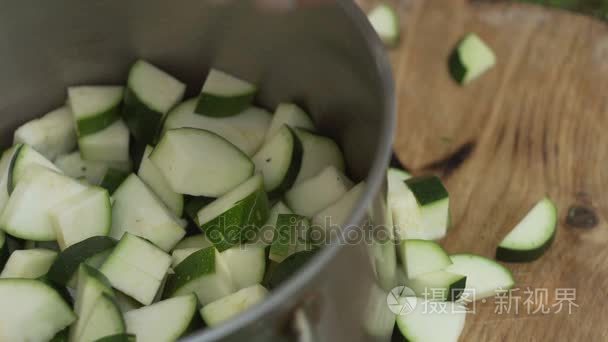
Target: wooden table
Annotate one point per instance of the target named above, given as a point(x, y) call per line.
point(534, 125)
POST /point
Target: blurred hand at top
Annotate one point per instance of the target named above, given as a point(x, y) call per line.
point(286, 5)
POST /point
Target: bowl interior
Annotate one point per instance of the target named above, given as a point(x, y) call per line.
point(316, 57)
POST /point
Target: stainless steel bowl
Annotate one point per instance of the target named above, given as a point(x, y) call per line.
point(325, 57)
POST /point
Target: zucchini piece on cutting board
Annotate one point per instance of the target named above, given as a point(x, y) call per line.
point(532, 236)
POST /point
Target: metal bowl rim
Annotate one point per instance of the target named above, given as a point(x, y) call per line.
point(374, 181)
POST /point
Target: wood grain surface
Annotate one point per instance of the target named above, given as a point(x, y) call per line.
point(534, 125)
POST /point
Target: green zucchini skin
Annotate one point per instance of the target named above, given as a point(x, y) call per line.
point(69, 260)
point(451, 287)
point(61, 336)
point(13, 244)
point(118, 338)
point(236, 224)
point(470, 58)
point(220, 106)
point(10, 184)
point(61, 289)
point(4, 250)
point(456, 289)
point(194, 204)
point(98, 122)
point(112, 179)
point(294, 167)
point(144, 122)
point(427, 189)
point(455, 66)
point(194, 266)
point(514, 255)
point(283, 271)
point(542, 216)
point(286, 241)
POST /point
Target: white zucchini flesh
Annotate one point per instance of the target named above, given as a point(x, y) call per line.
point(406, 215)
point(51, 135)
point(471, 59)
point(110, 144)
point(105, 319)
point(220, 83)
point(26, 301)
point(92, 285)
point(94, 261)
point(136, 268)
point(246, 130)
point(485, 277)
point(438, 285)
point(26, 213)
point(318, 192)
point(385, 21)
point(434, 202)
point(279, 160)
point(532, 236)
point(395, 178)
point(227, 201)
point(166, 320)
point(228, 307)
point(427, 324)
point(291, 115)
point(247, 264)
point(398, 197)
point(126, 303)
point(150, 94)
point(199, 241)
point(86, 214)
point(24, 157)
point(28, 263)
point(224, 95)
point(142, 254)
point(422, 256)
point(205, 274)
point(154, 87)
point(179, 255)
point(184, 154)
point(138, 211)
point(149, 174)
point(94, 107)
point(319, 153)
point(336, 215)
point(422, 210)
point(93, 171)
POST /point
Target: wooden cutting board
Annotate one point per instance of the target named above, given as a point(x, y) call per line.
point(534, 125)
